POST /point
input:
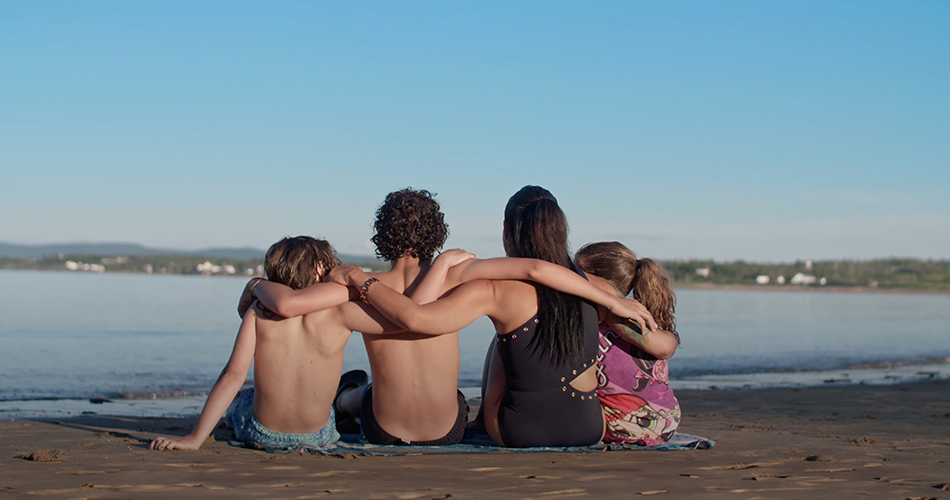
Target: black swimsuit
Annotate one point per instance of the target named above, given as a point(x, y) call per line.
point(539, 406)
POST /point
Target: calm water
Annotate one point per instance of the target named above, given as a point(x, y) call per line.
point(78, 335)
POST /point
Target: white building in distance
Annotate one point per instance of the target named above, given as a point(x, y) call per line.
point(804, 279)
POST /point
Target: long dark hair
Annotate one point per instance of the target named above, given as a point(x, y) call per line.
point(535, 227)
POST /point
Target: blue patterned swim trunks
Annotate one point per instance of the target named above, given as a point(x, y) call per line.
point(250, 433)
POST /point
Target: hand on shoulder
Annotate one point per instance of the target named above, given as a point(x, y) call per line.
point(634, 310)
point(454, 257)
point(346, 275)
point(263, 312)
point(247, 296)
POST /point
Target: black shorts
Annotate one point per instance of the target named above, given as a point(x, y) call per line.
point(375, 434)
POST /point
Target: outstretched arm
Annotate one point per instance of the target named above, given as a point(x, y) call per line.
point(365, 319)
point(434, 281)
point(552, 276)
point(223, 392)
point(287, 302)
point(659, 343)
point(446, 315)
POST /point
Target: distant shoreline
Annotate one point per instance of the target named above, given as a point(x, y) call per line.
point(890, 275)
point(800, 288)
point(676, 286)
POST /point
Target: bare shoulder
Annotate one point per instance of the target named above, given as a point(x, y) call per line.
point(327, 319)
point(514, 290)
point(479, 288)
point(390, 279)
point(512, 295)
point(517, 303)
point(266, 317)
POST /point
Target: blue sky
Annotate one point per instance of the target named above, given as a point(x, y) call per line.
point(766, 131)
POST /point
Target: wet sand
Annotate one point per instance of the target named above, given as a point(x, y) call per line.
point(828, 442)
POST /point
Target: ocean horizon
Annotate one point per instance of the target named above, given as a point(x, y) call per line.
point(154, 345)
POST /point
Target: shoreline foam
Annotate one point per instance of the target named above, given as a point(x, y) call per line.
point(185, 405)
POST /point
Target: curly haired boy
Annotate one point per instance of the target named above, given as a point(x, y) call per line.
point(414, 398)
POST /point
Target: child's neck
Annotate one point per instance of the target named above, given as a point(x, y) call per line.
point(407, 263)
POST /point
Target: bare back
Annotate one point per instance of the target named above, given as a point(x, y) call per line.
point(509, 304)
point(297, 366)
point(415, 377)
point(515, 303)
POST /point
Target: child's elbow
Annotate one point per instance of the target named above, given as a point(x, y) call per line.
point(536, 271)
point(414, 322)
point(417, 321)
point(666, 350)
point(667, 353)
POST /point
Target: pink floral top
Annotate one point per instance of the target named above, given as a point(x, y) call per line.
point(633, 387)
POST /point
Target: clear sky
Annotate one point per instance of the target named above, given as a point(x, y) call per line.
point(761, 130)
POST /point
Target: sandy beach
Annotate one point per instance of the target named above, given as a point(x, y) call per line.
point(826, 442)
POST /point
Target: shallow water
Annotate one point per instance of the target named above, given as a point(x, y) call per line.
point(79, 335)
point(747, 331)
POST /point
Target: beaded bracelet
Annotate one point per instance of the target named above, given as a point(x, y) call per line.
point(364, 289)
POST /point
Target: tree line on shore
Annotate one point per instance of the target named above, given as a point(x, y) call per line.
point(883, 273)
point(905, 273)
point(158, 264)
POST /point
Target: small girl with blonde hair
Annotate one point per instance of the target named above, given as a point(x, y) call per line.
point(632, 375)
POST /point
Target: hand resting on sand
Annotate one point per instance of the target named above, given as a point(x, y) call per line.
point(189, 442)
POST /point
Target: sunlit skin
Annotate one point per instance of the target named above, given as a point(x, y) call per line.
point(418, 372)
point(508, 304)
point(297, 365)
point(415, 377)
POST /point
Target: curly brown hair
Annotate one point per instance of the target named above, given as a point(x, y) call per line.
point(295, 261)
point(409, 223)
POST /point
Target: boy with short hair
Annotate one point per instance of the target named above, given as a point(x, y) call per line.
point(297, 360)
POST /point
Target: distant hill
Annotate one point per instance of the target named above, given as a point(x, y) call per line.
point(16, 251)
point(893, 272)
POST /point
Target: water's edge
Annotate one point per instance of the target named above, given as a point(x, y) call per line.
point(181, 405)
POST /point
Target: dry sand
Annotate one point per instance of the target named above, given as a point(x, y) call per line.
point(890, 442)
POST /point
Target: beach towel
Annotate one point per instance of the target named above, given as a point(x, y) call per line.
point(476, 442)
